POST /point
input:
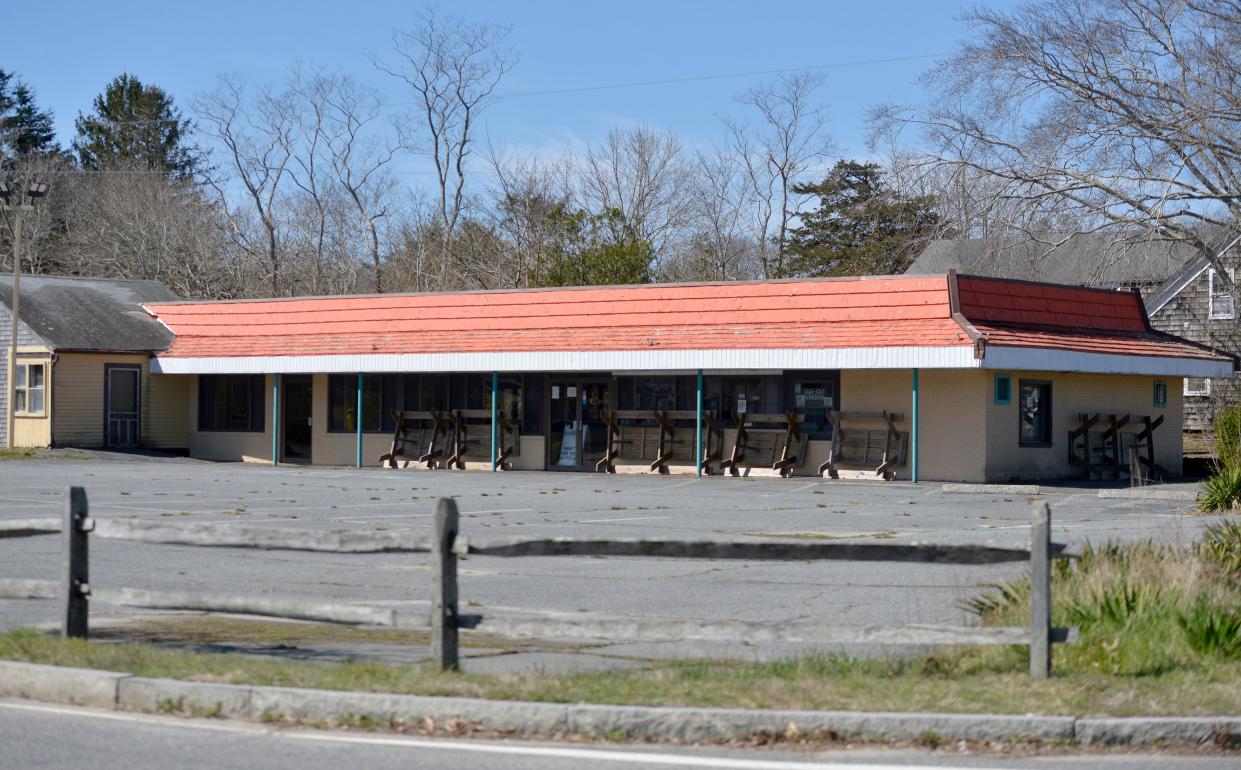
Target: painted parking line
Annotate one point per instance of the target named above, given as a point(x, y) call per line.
point(663, 488)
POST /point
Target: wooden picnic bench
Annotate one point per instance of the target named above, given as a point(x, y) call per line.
point(781, 446)
point(420, 437)
point(662, 442)
point(1115, 446)
point(870, 440)
point(471, 436)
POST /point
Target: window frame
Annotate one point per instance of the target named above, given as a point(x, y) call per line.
point(1007, 379)
point(22, 389)
point(1212, 314)
point(1204, 391)
point(1155, 400)
point(385, 385)
point(1047, 419)
point(256, 405)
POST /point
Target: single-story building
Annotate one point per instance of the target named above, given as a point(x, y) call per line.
point(83, 366)
point(942, 377)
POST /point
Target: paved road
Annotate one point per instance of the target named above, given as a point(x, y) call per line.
point(543, 504)
point(38, 736)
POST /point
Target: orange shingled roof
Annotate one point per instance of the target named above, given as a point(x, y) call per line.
point(888, 311)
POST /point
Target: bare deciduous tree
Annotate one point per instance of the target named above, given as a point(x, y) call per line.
point(1113, 114)
point(789, 138)
point(641, 174)
point(257, 140)
point(453, 67)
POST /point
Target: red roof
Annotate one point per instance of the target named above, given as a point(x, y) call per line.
point(868, 312)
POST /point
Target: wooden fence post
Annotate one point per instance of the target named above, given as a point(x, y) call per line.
point(444, 586)
point(77, 565)
point(1040, 592)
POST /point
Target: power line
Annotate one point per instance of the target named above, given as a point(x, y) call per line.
point(721, 76)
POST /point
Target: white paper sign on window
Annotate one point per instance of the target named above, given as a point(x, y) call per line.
point(741, 404)
point(571, 391)
point(555, 391)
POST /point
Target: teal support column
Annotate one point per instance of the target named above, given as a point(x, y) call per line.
point(495, 407)
point(698, 427)
point(358, 420)
point(275, 419)
point(914, 432)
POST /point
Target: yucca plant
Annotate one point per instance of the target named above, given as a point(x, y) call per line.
point(1222, 492)
point(1211, 630)
point(1221, 546)
point(1228, 437)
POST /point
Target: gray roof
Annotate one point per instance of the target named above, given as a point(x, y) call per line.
point(91, 313)
point(1177, 282)
point(1094, 259)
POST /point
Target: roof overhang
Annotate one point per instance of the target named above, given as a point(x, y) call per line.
point(929, 357)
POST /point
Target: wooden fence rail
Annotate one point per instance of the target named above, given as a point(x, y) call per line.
point(447, 546)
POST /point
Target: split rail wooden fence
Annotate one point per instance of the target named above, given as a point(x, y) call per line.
point(447, 545)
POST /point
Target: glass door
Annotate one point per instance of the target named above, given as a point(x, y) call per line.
point(297, 399)
point(578, 436)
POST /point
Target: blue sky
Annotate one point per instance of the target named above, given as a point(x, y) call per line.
point(67, 51)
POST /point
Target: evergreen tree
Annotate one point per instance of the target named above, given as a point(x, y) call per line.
point(136, 124)
point(860, 227)
point(583, 252)
point(25, 129)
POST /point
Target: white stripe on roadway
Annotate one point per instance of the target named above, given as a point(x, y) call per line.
point(551, 752)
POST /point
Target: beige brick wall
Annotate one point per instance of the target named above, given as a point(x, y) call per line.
point(221, 445)
point(1071, 394)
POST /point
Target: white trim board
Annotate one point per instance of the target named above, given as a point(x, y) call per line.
point(931, 357)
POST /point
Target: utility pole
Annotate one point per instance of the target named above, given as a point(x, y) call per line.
point(24, 203)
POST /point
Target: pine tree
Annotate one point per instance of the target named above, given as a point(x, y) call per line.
point(25, 130)
point(860, 227)
point(136, 124)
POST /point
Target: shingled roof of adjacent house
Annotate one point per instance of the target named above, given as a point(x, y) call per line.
point(91, 314)
point(1095, 259)
point(865, 322)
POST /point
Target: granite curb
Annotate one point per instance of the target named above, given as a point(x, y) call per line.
point(119, 691)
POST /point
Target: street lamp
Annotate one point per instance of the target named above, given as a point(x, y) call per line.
point(19, 203)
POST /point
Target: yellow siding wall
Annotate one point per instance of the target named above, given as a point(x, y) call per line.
point(220, 445)
point(1071, 394)
point(78, 401)
point(34, 430)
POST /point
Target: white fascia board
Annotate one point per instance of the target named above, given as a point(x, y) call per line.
point(931, 357)
point(1051, 360)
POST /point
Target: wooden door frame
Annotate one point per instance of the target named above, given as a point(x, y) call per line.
point(284, 405)
point(107, 403)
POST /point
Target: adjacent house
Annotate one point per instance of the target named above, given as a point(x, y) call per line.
point(947, 377)
point(1181, 293)
point(1195, 304)
point(83, 369)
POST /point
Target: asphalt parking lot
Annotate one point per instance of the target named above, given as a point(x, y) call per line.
point(546, 504)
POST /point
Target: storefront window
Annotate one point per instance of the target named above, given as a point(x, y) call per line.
point(231, 402)
point(1035, 413)
point(380, 393)
point(814, 399)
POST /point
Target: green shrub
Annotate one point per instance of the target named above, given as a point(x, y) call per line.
point(1222, 492)
point(1228, 436)
point(1221, 546)
point(1211, 630)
